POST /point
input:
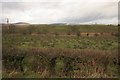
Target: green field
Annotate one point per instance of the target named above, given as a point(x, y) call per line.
point(60, 51)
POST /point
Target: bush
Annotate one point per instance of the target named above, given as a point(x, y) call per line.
point(96, 34)
point(59, 62)
point(78, 33)
point(69, 33)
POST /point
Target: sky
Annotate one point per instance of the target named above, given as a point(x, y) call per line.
point(60, 11)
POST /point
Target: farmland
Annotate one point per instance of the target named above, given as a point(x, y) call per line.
point(60, 51)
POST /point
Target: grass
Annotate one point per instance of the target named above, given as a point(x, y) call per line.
point(60, 62)
point(59, 51)
point(26, 41)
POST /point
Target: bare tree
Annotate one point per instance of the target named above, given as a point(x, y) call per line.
point(7, 20)
point(8, 23)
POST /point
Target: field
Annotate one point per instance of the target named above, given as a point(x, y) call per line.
point(60, 51)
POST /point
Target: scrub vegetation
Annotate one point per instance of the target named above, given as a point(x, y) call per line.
point(60, 51)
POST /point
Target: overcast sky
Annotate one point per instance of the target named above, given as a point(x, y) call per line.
point(60, 11)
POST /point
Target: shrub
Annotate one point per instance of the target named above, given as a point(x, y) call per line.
point(59, 62)
point(78, 33)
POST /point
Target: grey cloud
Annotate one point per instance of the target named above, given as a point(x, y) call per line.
point(87, 18)
point(12, 5)
point(62, 11)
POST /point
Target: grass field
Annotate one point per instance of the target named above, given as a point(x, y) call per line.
point(60, 51)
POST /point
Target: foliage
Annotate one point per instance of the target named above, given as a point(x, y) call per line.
point(47, 51)
point(57, 62)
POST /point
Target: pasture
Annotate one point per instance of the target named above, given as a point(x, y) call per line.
point(60, 51)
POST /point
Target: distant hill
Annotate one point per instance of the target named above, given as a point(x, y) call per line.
point(58, 24)
point(21, 23)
